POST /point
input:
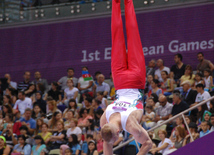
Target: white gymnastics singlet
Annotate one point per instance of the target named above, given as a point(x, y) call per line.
point(128, 100)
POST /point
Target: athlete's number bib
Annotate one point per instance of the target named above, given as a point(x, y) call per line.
point(121, 105)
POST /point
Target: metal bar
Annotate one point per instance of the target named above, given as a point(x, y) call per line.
point(138, 147)
point(187, 127)
point(169, 120)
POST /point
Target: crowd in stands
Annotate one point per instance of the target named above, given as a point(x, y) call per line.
point(64, 117)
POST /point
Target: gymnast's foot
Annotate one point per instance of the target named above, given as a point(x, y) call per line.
point(127, 1)
point(117, 1)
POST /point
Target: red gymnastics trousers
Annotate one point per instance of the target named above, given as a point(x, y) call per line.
point(128, 68)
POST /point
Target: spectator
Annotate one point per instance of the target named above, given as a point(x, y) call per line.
point(69, 117)
point(95, 106)
point(22, 147)
point(40, 87)
point(11, 84)
point(73, 144)
point(63, 81)
point(84, 96)
point(22, 103)
point(178, 122)
point(198, 79)
point(208, 80)
point(24, 131)
point(54, 93)
point(164, 145)
point(7, 109)
point(25, 84)
point(7, 100)
point(179, 104)
point(149, 117)
point(202, 95)
point(92, 149)
point(31, 90)
point(70, 92)
point(4, 149)
point(203, 63)
point(68, 151)
point(57, 116)
point(155, 88)
point(28, 121)
point(161, 67)
point(212, 122)
point(40, 145)
point(12, 94)
point(85, 85)
point(100, 142)
point(71, 106)
point(74, 129)
point(38, 79)
point(8, 119)
point(40, 102)
point(205, 128)
point(97, 117)
point(90, 128)
point(17, 116)
point(206, 116)
point(188, 119)
point(212, 106)
point(150, 69)
point(63, 148)
point(178, 69)
point(193, 129)
point(112, 88)
point(101, 86)
point(87, 104)
point(39, 123)
point(188, 75)
point(52, 108)
point(104, 103)
point(85, 144)
point(164, 110)
point(44, 118)
point(58, 137)
point(84, 116)
point(189, 94)
point(11, 138)
point(180, 133)
point(97, 73)
point(200, 114)
point(167, 84)
point(37, 113)
point(151, 101)
point(45, 134)
point(148, 86)
point(110, 82)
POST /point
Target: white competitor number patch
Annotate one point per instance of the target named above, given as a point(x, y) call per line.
point(121, 105)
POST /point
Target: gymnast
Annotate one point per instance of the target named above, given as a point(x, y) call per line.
point(129, 75)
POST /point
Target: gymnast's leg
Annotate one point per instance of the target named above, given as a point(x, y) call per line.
point(136, 61)
point(118, 54)
point(136, 65)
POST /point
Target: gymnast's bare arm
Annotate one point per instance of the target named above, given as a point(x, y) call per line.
point(103, 120)
point(139, 133)
point(107, 147)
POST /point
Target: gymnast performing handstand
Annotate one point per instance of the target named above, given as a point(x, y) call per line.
point(129, 75)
